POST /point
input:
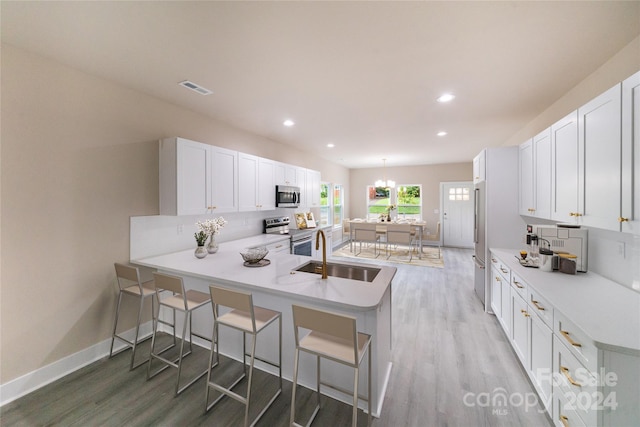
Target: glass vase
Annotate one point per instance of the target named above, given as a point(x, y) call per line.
point(200, 252)
point(212, 247)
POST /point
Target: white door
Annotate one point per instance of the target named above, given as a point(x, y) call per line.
point(457, 214)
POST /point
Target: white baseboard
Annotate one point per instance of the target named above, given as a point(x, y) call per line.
point(34, 380)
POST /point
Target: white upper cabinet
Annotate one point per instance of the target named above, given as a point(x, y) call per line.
point(564, 169)
point(285, 174)
point(630, 217)
point(542, 174)
point(527, 201)
point(479, 164)
point(224, 180)
point(599, 161)
point(535, 176)
point(266, 184)
point(256, 188)
point(195, 178)
point(312, 193)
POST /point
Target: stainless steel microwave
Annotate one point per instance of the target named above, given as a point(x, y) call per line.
point(287, 196)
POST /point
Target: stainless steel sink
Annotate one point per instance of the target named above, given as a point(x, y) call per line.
point(361, 273)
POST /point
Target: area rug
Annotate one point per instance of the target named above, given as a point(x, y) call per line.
point(398, 254)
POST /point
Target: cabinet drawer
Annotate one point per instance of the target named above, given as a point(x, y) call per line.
point(576, 384)
point(576, 341)
point(519, 285)
point(564, 414)
point(501, 267)
point(541, 307)
point(283, 246)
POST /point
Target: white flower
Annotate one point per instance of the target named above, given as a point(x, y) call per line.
point(211, 226)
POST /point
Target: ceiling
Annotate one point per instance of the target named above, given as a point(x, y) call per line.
point(361, 75)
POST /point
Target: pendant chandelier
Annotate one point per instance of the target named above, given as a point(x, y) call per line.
point(384, 182)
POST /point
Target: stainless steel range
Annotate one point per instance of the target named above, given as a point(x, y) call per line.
point(300, 239)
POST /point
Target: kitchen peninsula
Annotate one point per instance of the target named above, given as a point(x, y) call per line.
point(277, 286)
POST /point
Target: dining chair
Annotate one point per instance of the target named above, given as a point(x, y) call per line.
point(435, 238)
point(346, 230)
point(399, 234)
point(366, 232)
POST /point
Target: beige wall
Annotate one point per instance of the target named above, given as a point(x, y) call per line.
point(429, 176)
point(79, 157)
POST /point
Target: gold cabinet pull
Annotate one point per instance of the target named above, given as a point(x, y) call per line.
point(538, 306)
point(564, 420)
point(498, 279)
point(567, 374)
point(524, 313)
point(568, 338)
point(503, 270)
point(621, 219)
point(515, 282)
point(494, 260)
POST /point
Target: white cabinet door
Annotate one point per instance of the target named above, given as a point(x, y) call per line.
point(630, 217)
point(247, 182)
point(479, 164)
point(542, 174)
point(520, 333)
point(527, 194)
point(224, 180)
point(285, 174)
point(505, 300)
point(256, 188)
point(313, 188)
point(496, 293)
point(266, 186)
point(541, 358)
point(564, 168)
point(185, 174)
point(599, 166)
point(301, 181)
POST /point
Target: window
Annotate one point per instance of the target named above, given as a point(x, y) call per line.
point(459, 194)
point(378, 198)
point(338, 202)
point(325, 204)
point(331, 204)
point(409, 201)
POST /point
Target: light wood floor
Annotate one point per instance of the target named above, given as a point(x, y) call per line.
point(450, 359)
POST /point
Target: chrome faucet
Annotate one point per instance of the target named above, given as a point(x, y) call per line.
point(324, 251)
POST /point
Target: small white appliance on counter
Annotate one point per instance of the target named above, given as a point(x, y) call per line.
point(564, 238)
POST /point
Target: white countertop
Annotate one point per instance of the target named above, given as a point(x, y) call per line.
point(606, 311)
point(226, 267)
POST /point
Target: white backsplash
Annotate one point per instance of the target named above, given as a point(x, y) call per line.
point(615, 256)
point(159, 234)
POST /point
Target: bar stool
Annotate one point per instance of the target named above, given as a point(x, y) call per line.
point(331, 336)
point(248, 319)
point(129, 283)
point(181, 300)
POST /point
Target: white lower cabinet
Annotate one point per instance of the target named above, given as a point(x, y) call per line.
point(578, 382)
point(520, 331)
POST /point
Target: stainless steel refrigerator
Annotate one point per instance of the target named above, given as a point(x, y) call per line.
point(497, 223)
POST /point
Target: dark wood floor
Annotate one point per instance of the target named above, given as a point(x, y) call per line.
point(450, 360)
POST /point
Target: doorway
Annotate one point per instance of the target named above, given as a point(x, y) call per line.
point(457, 214)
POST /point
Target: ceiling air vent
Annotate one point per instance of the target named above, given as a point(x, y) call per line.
point(190, 85)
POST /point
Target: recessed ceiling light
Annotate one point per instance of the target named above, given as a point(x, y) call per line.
point(442, 133)
point(288, 123)
point(446, 97)
point(330, 145)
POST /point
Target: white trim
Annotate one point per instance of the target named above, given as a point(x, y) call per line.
point(39, 378)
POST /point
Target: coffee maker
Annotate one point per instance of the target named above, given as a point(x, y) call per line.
point(561, 238)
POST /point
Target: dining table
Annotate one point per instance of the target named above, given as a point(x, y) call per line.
point(418, 226)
